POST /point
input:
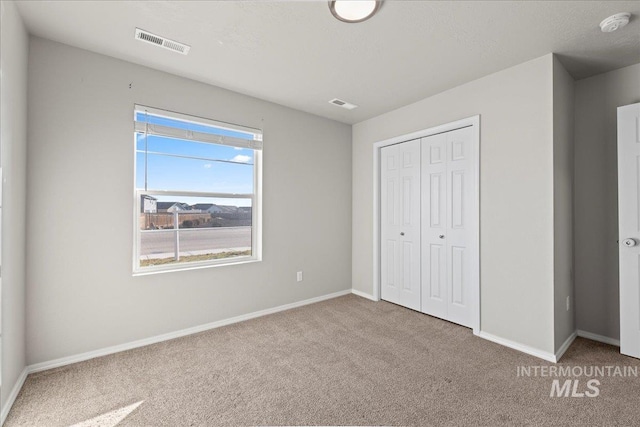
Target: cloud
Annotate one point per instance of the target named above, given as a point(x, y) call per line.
point(238, 148)
point(241, 158)
point(207, 165)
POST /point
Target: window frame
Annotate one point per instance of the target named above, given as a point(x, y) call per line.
point(255, 197)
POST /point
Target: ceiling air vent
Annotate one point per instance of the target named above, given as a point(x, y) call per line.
point(343, 104)
point(172, 45)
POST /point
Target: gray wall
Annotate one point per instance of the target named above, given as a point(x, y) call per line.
point(81, 293)
point(596, 200)
point(516, 193)
point(563, 109)
point(13, 140)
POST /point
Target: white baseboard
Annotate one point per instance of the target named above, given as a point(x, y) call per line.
point(43, 366)
point(363, 295)
point(549, 357)
point(599, 338)
point(14, 393)
point(565, 345)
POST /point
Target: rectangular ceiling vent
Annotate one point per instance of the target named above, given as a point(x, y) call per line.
point(172, 45)
point(343, 104)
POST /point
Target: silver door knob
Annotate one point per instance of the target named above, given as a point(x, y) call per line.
point(402, 233)
point(629, 242)
point(441, 236)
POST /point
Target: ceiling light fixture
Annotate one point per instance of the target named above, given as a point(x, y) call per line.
point(614, 22)
point(354, 11)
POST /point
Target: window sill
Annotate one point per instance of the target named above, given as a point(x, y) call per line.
point(193, 266)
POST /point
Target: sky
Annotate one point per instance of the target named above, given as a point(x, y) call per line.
point(211, 172)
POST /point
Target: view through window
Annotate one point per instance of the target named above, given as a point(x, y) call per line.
point(197, 187)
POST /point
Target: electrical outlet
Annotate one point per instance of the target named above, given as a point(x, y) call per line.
point(568, 306)
point(299, 276)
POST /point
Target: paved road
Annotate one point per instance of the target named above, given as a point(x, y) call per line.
point(162, 241)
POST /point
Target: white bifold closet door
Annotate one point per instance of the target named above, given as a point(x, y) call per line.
point(448, 229)
point(400, 224)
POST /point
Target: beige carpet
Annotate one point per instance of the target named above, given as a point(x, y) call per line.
point(347, 361)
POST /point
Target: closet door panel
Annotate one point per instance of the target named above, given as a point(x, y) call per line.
point(460, 230)
point(434, 223)
point(400, 224)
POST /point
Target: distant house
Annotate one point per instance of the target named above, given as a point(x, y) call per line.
point(148, 204)
point(202, 207)
point(172, 207)
point(228, 209)
point(207, 207)
point(163, 206)
point(244, 211)
point(179, 207)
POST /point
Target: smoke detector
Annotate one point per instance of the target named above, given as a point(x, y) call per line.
point(342, 104)
point(164, 42)
point(614, 22)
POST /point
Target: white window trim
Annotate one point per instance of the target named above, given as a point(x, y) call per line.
point(256, 205)
point(257, 133)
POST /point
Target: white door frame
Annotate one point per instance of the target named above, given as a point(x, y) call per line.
point(475, 280)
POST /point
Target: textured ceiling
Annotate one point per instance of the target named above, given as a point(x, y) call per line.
point(296, 54)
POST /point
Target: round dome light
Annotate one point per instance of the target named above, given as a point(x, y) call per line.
point(354, 11)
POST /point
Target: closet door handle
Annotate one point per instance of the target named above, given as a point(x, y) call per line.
point(402, 233)
point(441, 236)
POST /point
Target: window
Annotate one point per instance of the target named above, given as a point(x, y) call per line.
point(197, 192)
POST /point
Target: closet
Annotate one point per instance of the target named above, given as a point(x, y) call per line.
point(429, 224)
